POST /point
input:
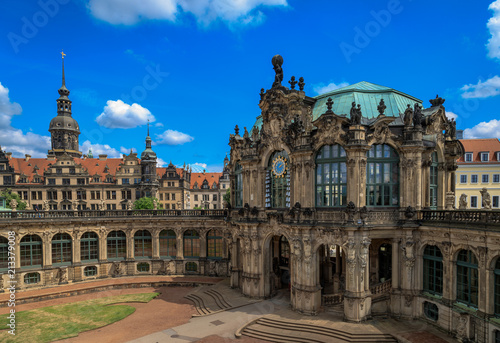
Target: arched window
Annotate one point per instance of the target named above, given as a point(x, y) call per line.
point(143, 244)
point(191, 243)
point(497, 288)
point(89, 247)
point(4, 253)
point(214, 244)
point(238, 186)
point(117, 245)
point(433, 182)
point(433, 270)
point(168, 244)
point(382, 176)
point(31, 251)
point(467, 278)
point(61, 249)
point(331, 176)
point(278, 181)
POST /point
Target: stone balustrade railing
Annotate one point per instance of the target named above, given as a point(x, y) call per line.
point(460, 216)
point(36, 215)
point(381, 288)
point(332, 299)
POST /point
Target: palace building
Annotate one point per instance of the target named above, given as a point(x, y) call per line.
point(68, 180)
point(345, 201)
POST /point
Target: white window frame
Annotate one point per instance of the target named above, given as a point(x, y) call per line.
point(473, 197)
point(487, 154)
point(472, 178)
point(497, 177)
point(493, 201)
point(465, 178)
point(468, 157)
point(487, 178)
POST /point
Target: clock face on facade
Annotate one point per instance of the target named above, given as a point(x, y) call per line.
point(279, 166)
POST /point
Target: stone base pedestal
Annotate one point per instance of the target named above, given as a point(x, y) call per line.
point(357, 308)
point(306, 299)
point(358, 133)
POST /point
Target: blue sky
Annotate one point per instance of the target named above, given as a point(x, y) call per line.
point(195, 68)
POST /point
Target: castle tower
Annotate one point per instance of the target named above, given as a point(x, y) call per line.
point(149, 182)
point(64, 130)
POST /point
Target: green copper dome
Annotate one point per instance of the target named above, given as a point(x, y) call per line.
point(368, 95)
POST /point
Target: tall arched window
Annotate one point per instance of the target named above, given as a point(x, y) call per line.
point(31, 251)
point(467, 278)
point(143, 244)
point(433, 181)
point(331, 176)
point(497, 288)
point(168, 244)
point(238, 186)
point(117, 245)
point(433, 270)
point(278, 181)
point(382, 176)
point(191, 243)
point(214, 244)
point(4, 253)
point(61, 249)
point(89, 247)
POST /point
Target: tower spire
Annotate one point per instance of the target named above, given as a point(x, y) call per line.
point(63, 78)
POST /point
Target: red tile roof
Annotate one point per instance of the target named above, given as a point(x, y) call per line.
point(476, 146)
point(200, 177)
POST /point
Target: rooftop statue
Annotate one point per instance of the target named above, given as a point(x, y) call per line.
point(355, 114)
point(277, 62)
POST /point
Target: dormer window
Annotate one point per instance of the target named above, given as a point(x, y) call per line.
point(214, 186)
point(468, 157)
point(485, 157)
point(97, 179)
point(498, 156)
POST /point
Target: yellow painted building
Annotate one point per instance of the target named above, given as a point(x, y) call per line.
point(479, 168)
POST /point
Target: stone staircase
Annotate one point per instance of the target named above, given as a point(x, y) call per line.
point(288, 331)
point(209, 301)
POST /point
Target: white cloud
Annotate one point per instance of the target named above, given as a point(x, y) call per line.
point(490, 87)
point(172, 137)
point(129, 12)
point(160, 162)
point(489, 129)
point(126, 151)
point(451, 115)
point(158, 124)
point(494, 27)
point(99, 149)
point(14, 140)
point(322, 89)
point(119, 115)
point(198, 167)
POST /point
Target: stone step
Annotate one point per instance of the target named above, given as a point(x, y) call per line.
point(199, 304)
point(219, 299)
point(310, 333)
point(275, 337)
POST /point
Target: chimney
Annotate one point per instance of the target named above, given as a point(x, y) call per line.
point(27, 157)
point(9, 155)
point(103, 157)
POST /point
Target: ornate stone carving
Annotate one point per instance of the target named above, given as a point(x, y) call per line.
point(438, 101)
point(408, 116)
point(417, 116)
point(301, 83)
point(292, 82)
point(277, 62)
point(486, 202)
point(410, 212)
point(462, 203)
point(13, 204)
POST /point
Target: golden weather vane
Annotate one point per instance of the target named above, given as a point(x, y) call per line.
point(62, 54)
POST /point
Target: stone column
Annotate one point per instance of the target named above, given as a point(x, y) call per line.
point(180, 244)
point(156, 244)
point(357, 298)
point(103, 247)
point(336, 277)
point(47, 250)
point(76, 258)
point(130, 245)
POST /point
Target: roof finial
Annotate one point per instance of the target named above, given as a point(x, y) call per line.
point(63, 78)
point(148, 127)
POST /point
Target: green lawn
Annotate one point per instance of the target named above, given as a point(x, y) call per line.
point(63, 321)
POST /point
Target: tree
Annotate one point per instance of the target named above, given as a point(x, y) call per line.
point(8, 195)
point(227, 198)
point(146, 203)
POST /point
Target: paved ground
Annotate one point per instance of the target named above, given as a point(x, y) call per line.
point(168, 318)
